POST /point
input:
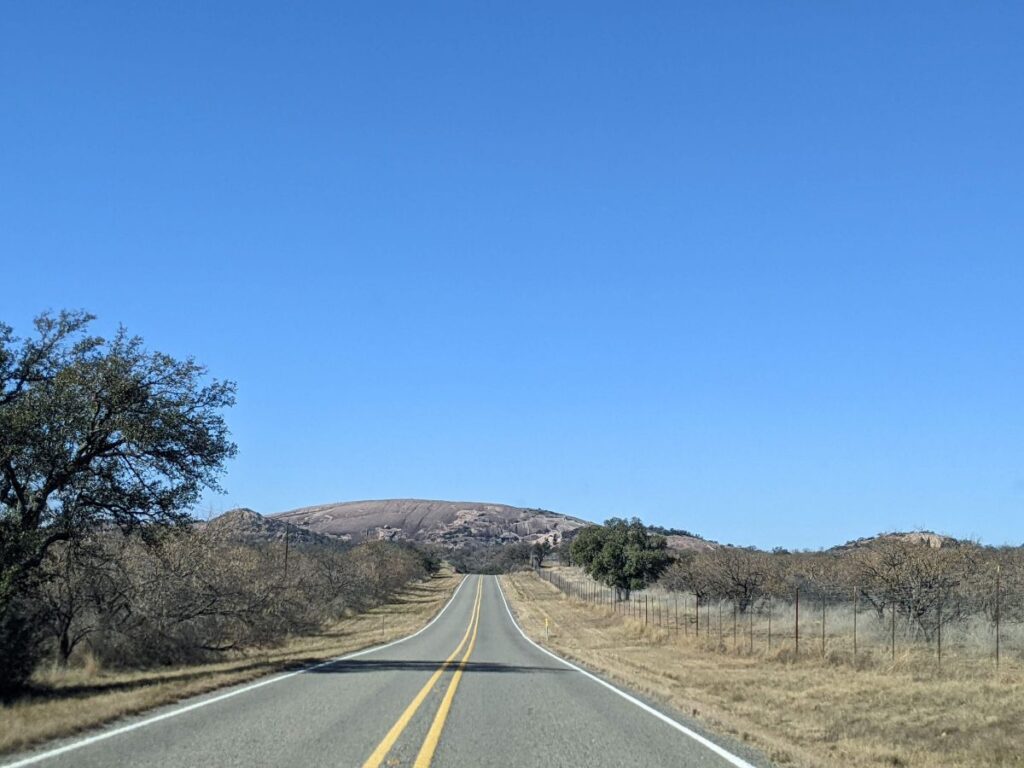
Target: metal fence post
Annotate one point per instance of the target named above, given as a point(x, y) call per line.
point(796, 624)
point(823, 626)
point(719, 623)
point(998, 606)
point(735, 635)
point(856, 593)
point(894, 629)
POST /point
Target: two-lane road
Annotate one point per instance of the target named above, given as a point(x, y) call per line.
point(468, 690)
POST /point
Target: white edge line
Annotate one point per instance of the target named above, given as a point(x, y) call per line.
point(32, 759)
point(739, 762)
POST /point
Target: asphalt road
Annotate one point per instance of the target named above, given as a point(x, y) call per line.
point(468, 690)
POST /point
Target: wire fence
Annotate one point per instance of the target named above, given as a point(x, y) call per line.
point(817, 624)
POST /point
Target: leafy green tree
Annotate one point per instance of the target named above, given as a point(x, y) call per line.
point(621, 554)
point(538, 552)
point(94, 433)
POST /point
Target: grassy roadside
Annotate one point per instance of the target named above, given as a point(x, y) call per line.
point(71, 701)
point(810, 713)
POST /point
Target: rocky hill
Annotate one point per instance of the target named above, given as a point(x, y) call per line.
point(924, 538)
point(448, 523)
point(244, 526)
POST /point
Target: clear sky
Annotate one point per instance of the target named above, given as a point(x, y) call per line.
point(752, 269)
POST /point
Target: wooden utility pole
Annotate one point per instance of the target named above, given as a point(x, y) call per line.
point(286, 532)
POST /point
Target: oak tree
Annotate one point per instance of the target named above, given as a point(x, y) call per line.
point(95, 433)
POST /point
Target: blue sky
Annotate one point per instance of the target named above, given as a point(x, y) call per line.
point(751, 269)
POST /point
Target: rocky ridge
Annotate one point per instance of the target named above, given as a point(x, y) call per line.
point(447, 523)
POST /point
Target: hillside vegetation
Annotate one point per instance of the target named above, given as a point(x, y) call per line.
point(191, 596)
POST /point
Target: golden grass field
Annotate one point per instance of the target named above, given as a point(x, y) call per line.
point(812, 711)
point(73, 700)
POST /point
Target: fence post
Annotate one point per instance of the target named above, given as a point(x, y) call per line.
point(938, 637)
point(735, 635)
point(894, 629)
point(751, 617)
point(676, 599)
point(720, 642)
point(997, 616)
point(796, 624)
point(856, 594)
point(823, 626)
point(645, 609)
point(769, 622)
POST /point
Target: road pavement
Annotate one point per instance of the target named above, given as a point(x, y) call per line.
point(469, 691)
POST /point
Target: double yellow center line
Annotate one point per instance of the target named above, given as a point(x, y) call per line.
point(426, 752)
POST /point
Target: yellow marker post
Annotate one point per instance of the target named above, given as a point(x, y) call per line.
point(546, 623)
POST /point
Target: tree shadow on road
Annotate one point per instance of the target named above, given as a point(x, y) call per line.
point(417, 665)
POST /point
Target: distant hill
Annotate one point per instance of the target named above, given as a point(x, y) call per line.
point(448, 523)
point(460, 523)
point(244, 526)
point(924, 538)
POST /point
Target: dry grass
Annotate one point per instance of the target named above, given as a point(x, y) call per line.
point(818, 710)
point(71, 701)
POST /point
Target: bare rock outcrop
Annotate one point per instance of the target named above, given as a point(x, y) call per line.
point(449, 523)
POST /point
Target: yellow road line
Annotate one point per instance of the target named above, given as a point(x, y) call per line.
point(430, 743)
point(375, 760)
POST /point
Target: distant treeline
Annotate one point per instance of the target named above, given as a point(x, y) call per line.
point(496, 558)
point(662, 531)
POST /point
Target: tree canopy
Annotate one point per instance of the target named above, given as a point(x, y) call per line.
point(97, 432)
point(621, 553)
